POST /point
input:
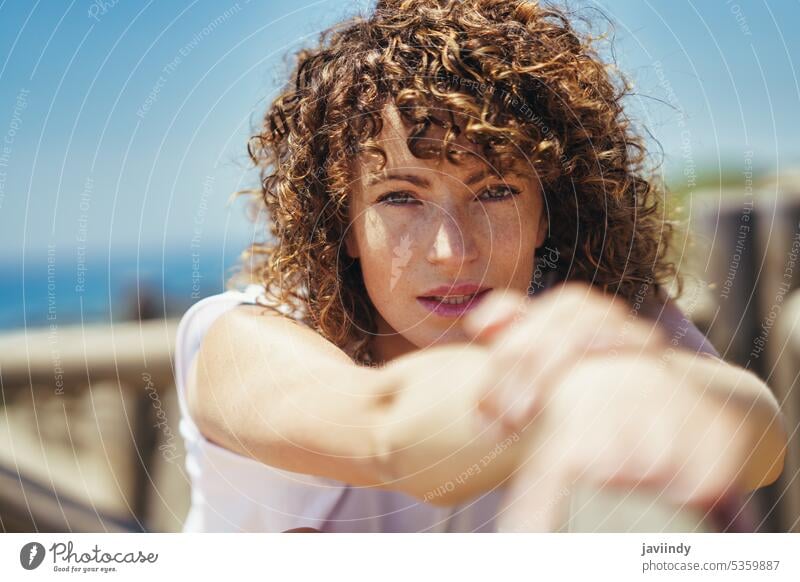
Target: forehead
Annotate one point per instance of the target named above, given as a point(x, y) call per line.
point(393, 140)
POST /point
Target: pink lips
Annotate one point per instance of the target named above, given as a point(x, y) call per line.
point(450, 309)
point(460, 289)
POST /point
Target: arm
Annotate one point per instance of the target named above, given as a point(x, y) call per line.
point(754, 438)
point(420, 421)
point(439, 451)
point(711, 391)
point(274, 391)
point(435, 441)
point(752, 405)
point(288, 398)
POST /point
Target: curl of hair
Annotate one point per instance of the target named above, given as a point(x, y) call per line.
point(519, 80)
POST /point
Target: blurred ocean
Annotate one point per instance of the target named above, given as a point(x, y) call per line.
point(64, 288)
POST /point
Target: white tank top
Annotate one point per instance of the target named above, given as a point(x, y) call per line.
point(233, 493)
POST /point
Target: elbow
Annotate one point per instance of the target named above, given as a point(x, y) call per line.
point(771, 451)
point(780, 438)
point(775, 472)
point(769, 475)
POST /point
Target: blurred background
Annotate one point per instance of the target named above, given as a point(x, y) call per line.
point(123, 130)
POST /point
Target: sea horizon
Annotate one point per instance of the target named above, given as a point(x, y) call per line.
point(67, 289)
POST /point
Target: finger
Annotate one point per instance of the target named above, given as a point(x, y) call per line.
point(494, 314)
point(610, 316)
point(636, 337)
point(518, 352)
point(540, 373)
point(493, 403)
point(492, 426)
point(521, 396)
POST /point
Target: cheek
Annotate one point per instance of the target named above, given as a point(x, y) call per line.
point(510, 248)
point(510, 239)
point(385, 244)
point(392, 242)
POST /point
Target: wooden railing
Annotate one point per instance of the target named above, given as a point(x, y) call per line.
point(81, 403)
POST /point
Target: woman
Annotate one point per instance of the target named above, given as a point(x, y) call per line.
point(465, 283)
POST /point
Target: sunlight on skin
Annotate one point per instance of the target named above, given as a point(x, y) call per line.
point(444, 234)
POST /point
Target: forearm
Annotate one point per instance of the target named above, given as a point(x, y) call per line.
point(752, 404)
point(410, 426)
point(329, 430)
point(437, 449)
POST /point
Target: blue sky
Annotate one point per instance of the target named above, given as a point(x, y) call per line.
point(128, 121)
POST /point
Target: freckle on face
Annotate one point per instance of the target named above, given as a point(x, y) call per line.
point(448, 236)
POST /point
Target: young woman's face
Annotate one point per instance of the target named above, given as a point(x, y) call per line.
point(432, 237)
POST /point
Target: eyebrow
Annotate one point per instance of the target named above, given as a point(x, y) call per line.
point(373, 179)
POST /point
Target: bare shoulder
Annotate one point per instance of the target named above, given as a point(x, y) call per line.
point(268, 387)
point(247, 331)
point(250, 347)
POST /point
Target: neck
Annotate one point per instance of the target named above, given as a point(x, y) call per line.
point(388, 344)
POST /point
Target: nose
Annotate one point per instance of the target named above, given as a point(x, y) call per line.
point(453, 243)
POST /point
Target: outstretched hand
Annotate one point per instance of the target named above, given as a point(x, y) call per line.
point(535, 341)
point(606, 407)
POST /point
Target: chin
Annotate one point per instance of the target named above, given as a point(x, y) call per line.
point(451, 336)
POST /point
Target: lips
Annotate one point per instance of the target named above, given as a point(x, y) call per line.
point(460, 289)
point(452, 301)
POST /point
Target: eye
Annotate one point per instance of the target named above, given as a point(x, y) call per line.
point(498, 193)
point(397, 198)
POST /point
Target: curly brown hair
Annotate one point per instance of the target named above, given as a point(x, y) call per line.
point(522, 82)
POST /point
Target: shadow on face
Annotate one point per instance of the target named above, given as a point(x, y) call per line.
point(431, 235)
